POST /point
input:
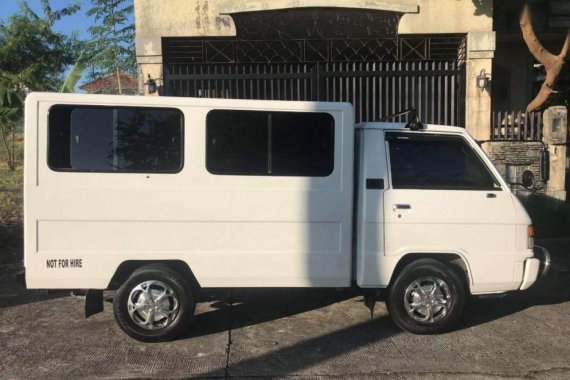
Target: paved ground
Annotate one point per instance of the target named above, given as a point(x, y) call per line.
point(298, 333)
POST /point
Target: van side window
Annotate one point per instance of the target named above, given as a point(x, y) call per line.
point(115, 139)
point(436, 162)
point(270, 143)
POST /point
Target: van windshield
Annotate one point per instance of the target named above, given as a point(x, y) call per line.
point(437, 162)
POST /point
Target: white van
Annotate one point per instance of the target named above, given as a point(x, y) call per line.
point(159, 197)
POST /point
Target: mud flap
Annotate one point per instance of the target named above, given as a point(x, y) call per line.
point(370, 298)
point(93, 302)
point(21, 279)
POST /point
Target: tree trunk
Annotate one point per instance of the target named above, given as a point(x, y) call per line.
point(10, 161)
point(13, 159)
point(552, 63)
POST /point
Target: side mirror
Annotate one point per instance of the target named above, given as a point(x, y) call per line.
point(527, 179)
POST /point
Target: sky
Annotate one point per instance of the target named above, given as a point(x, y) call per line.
point(67, 25)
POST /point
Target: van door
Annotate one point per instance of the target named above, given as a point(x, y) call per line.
point(443, 198)
point(371, 172)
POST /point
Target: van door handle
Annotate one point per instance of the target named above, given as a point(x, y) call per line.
point(402, 207)
point(491, 195)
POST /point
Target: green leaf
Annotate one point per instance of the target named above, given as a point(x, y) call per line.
point(33, 56)
point(11, 106)
point(111, 44)
point(74, 75)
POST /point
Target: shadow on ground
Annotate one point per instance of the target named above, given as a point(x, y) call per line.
point(12, 291)
point(240, 308)
point(550, 290)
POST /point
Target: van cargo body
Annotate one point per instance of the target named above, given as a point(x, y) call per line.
point(161, 196)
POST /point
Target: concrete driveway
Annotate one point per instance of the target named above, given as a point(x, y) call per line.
point(297, 333)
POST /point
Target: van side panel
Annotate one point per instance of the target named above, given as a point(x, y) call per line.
point(232, 231)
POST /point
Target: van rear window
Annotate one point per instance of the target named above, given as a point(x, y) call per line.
point(115, 139)
point(270, 143)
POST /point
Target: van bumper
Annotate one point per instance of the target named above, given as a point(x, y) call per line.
point(535, 267)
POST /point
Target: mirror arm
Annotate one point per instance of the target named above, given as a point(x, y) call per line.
point(532, 188)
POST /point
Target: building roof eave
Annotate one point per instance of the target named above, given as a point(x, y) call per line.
point(257, 6)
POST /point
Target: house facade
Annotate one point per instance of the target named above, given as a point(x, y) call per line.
point(458, 62)
point(384, 56)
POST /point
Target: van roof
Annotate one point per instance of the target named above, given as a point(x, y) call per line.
point(402, 126)
point(167, 101)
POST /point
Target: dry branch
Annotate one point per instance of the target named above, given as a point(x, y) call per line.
point(552, 63)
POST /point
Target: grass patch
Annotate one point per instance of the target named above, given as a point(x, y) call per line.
point(11, 195)
point(11, 185)
point(550, 216)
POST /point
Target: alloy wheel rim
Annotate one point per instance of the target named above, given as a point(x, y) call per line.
point(153, 305)
point(428, 299)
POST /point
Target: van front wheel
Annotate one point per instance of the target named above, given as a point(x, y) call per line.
point(155, 304)
point(427, 297)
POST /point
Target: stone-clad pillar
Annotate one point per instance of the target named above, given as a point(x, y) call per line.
point(555, 135)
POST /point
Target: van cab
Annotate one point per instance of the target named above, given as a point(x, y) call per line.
point(160, 197)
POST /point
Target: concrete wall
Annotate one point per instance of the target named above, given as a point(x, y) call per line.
point(169, 18)
point(448, 16)
point(207, 17)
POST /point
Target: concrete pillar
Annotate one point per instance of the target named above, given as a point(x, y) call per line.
point(480, 53)
point(555, 135)
point(149, 59)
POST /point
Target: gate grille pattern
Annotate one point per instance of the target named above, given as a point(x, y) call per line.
point(184, 50)
point(379, 77)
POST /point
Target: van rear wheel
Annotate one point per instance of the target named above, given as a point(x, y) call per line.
point(427, 297)
point(155, 304)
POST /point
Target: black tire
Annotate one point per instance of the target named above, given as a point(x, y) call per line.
point(405, 289)
point(157, 275)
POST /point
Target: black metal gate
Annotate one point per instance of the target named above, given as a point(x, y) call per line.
point(376, 89)
point(379, 76)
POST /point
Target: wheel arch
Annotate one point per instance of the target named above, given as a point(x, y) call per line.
point(456, 261)
point(126, 268)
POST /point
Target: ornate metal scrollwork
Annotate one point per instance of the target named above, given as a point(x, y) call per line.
point(269, 51)
point(314, 35)
point(404, 48)
point(316, 23)
point(364, 50)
